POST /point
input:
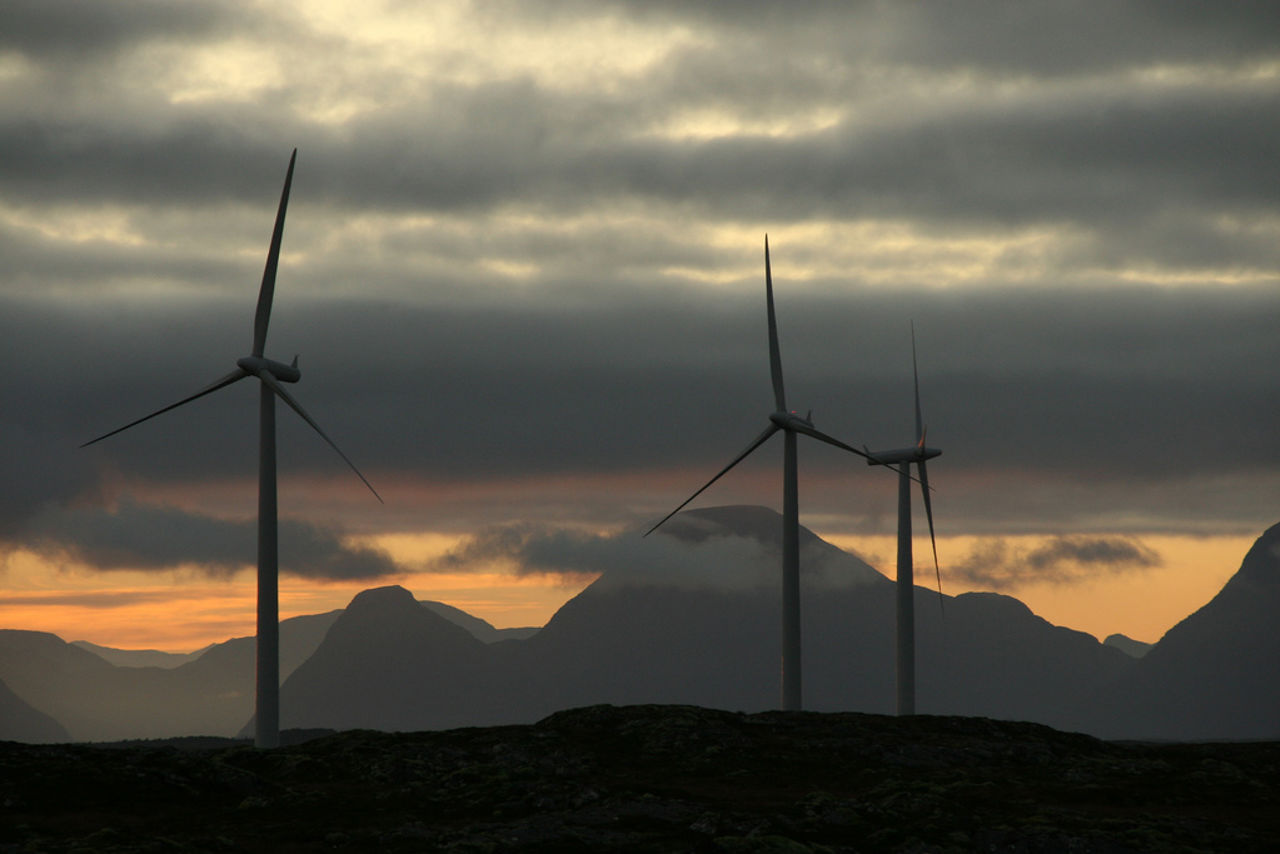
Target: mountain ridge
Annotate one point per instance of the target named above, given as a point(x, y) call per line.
point(1213, 673)
point(636, 635)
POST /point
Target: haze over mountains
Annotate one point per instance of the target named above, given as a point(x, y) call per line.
point(659, 632)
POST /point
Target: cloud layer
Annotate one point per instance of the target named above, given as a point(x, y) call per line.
point(135, 536)
point(994, 564)
point(524, 248)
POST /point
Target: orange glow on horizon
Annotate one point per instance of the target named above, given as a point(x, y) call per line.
point(1141, 603)
point(185, 610)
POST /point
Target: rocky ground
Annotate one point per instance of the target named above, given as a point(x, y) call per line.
point(651, 778)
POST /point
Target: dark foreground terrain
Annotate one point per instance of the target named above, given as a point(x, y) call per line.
point(651, 778)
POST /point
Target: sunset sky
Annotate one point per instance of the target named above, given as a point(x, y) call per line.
point(523, 269)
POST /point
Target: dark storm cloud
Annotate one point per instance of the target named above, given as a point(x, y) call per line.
point(135, 536)
point(69, 29)
point(1041, 36)
point(1051, 37)
point(193, 155)
point(1061, 560)
point(1120, 392)
point(40, 263)
point(1115, 554)
point(531, 549)
point(1050, 362)
point(1101, 160)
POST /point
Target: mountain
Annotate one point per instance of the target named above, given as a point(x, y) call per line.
point(104, 694)
point(1127, 645)
point(140, 657)
point(1213, 675)
point(389, 663)
point(19, 721)
point(482, 630)
point(632, 637)
point(821, 562)
point(694, 619)
point(692, 616)
point(72, 685)
point(98, 701)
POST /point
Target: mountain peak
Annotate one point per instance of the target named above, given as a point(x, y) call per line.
point(752, 521)
point(386, 663)
point(392, 612)
point(382, 597)
point(1262, 563)
point(1127, 645)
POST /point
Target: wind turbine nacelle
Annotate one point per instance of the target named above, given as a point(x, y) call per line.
point(788, 420)
point(284, 373)
point(914, 454)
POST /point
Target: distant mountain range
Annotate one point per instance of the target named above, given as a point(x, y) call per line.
point(141, 657)
point(482, 630)
point(698, 627)
point(20, 722)
point(1128, 645)
point(301, 642)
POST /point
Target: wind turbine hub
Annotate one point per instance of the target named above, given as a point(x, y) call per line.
point(256, 364)
point(789, 420)
point(914, 454)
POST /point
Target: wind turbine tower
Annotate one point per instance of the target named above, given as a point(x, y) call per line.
point(902, 459)
point(271, 374)
point(791, 425)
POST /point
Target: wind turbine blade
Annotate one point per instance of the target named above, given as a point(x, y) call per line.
point(872, 458)
point(928, 512)
point(234, 376)
point(823, 437)
point(759, 440)
point(775, 357)
point(263, 315)
point(915, 374)
point(275, 386)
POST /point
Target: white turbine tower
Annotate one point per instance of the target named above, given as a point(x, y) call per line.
point(902, 460)
point(271, 374)
point(781, 419)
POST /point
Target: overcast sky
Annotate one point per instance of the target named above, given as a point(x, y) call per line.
point(523, 264)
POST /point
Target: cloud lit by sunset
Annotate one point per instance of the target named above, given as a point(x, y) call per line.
point(523, 269)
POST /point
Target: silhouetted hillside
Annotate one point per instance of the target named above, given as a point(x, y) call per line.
point(695, 620)
point(19, 721)
point(1127, 645)
point(1213, 675)
point(693, 617)
point(482, 630)
point(389, 663)
point(75, 687)
point(98, 701)
point(140, 657)
point(654, 779)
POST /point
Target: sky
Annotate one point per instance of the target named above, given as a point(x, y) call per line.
point(523, 269)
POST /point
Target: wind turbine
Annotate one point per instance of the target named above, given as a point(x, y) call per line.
point(271, 374)
point(790, 424)
point(902, 460)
